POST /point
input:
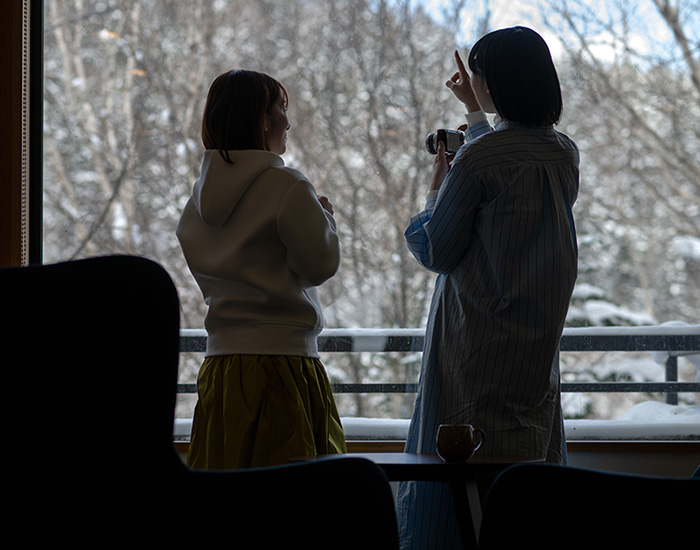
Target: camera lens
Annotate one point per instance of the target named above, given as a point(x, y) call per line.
point(431, 143)
point(453, 140)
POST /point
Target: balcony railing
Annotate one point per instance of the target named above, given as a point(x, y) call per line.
point(672, 341)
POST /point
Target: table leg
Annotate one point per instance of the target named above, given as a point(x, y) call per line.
point(468, 509)
point(474, 507)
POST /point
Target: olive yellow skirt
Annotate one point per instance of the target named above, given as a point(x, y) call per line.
point(262, 410)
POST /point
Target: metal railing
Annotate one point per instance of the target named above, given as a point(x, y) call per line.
point(671, 340)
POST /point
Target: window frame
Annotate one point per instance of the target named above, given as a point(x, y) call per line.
point(22, 95)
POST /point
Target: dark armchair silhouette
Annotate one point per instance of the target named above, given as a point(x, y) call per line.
point(555, 506)
point(90, 357)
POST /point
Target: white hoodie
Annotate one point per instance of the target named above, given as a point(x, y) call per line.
point(258, 242)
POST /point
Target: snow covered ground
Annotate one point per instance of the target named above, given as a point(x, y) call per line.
point(644, 421)
point(647, 420)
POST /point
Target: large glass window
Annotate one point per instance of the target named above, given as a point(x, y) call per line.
point(125, 84)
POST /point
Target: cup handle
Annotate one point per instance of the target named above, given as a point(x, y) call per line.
point(481, 439)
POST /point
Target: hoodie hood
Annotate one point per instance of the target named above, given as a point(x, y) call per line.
point(221, 185)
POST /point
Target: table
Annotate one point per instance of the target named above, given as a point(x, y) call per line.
point(462, 476)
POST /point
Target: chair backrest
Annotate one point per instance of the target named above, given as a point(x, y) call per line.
point(341, 503)
point(97, 341)
point(555, 505)
point(90, 388)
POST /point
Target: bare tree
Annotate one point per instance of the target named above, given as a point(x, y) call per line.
point(633, 102)
point(126, 82)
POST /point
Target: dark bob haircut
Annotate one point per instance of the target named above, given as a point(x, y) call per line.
point(520, 75)
point(234, 115)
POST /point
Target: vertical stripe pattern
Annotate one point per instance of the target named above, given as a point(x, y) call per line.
point(501, 237)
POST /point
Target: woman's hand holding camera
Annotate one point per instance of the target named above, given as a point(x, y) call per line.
point(461, 86)
point(441, 166)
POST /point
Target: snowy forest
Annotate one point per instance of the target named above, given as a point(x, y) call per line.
point(125, 85)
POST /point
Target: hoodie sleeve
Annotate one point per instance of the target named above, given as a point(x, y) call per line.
point(309, 234)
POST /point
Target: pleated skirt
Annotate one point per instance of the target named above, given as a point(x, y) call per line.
point(255, 411)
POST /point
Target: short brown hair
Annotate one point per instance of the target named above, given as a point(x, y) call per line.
point(235, 111)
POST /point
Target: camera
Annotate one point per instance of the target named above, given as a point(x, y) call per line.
point(453, 140)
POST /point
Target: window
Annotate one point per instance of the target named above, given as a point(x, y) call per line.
point(124, 87)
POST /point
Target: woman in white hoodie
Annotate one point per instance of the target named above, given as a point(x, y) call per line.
point(258, 241)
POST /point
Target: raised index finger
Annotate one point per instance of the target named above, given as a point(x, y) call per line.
point(460, 64)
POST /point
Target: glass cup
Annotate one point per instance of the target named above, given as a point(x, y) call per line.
point(458, 442)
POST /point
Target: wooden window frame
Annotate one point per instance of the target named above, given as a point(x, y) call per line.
point(21, 142)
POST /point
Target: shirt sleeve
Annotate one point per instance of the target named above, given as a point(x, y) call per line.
point(309, 234)
point(439, 235)
point(477, 125)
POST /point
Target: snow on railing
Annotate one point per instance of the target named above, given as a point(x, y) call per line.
point(647, 420)
point(665, 342)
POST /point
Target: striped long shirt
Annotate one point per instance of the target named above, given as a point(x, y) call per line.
point(501, 235)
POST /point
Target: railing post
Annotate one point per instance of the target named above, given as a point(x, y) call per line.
point(672, 376)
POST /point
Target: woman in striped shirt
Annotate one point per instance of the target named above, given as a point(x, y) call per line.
point(498, 229)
